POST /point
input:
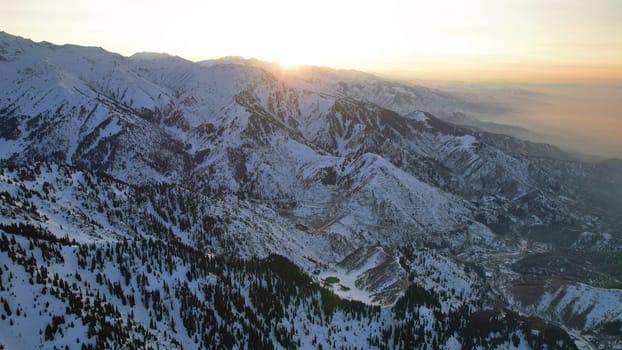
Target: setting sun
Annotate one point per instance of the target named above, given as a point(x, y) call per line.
point(421, 37)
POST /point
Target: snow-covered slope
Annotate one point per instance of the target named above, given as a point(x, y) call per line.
point(583, 306)
point(398, 96)
point(154, 293)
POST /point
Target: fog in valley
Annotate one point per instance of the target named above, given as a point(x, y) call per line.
point(581, 118)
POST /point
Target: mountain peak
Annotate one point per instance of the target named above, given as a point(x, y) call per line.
point(152, 56)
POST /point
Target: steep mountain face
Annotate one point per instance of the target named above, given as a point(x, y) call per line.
point(402, 97)
point(146, 293)
point(397, 96)
point(240, 160)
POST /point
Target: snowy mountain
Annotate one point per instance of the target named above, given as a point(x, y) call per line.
point(239, 169)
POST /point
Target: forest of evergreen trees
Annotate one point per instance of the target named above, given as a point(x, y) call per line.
point(147, 292)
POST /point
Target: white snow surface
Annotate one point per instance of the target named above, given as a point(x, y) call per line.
point(596, 305)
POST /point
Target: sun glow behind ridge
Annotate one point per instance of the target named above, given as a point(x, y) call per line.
point(479, 39)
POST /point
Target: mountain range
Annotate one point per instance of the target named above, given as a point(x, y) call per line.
point(154, 201)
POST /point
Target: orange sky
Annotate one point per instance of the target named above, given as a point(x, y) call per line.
point(518, 40)
point(519, 71)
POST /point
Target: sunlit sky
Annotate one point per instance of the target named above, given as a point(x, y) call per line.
point(523, 40)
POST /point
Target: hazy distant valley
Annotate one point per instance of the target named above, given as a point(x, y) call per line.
point(151, 201)
point(583, 118)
